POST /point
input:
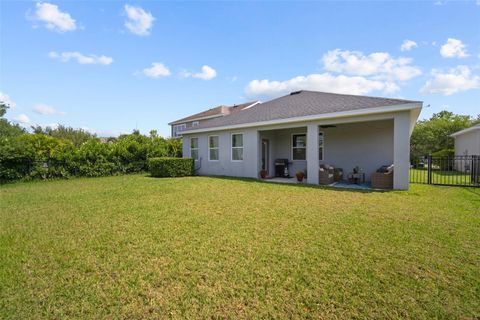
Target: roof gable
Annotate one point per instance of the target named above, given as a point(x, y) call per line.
point(215, 112)
point(461, 132)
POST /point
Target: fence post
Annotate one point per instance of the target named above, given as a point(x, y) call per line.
point(429, 169)
point(474, 168)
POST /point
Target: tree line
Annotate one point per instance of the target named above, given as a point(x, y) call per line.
point(62, 152)
point(432, 136)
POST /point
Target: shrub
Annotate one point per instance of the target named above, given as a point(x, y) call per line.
point(171, 167)
point(444, 153)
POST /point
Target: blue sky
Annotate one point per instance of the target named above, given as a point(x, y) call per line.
point(113, 66)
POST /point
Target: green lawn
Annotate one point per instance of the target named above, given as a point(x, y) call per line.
point(138, 247)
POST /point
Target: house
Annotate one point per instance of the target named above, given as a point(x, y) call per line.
point(194, 120)
point(467, 141)
point(308, 129)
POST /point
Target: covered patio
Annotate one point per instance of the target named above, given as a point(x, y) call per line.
point(345, 153)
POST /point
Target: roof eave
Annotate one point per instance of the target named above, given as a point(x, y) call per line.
point(196, 119)
point(461, 132)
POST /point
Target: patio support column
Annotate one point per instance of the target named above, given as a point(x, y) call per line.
point(312, 154)
point(401, 150)
point(252, 152)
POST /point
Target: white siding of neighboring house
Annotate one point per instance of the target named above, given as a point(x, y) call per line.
point(468, 143)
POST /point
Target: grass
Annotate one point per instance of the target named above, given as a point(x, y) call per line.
point(138, 247)
point(441, 177)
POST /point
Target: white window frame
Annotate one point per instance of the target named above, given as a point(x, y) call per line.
point(197, 148)
point(177, 133)
point(232, 147)
point(195, 123)
point(210, 148)
point(292, 147)
point(321, 133)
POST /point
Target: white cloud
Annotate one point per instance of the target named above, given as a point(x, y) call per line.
point(45, 109)
point(408, 45)
point(450, 82)
point(22, 118)
point(348, 72)
point(379, 65)
point(319, 82)
point(81, 58)
point(207, 73)
point(138, 20)
point(5, 98)
point(454, 48)
point(157, 70)
point(53, 18)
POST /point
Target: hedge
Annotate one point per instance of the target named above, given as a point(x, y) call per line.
point(171, 167)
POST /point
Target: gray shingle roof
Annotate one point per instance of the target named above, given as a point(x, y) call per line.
point(299, 104)
point(217, 111)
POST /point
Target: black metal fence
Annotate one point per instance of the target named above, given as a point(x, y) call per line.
point(449, 171)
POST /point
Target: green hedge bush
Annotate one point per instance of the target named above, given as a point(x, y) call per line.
point(38, 156)
point(171, 167)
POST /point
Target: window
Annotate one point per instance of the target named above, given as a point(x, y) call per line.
point(213, 148)
point(321, 142)
point(299, 146)
point(177, 130)
point(237, 147)
point(195, 123)
point(194, 148)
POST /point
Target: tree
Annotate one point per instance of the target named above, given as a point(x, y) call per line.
point(7, 129)
point(433, 135)
point(76, 136)
point(3, 108)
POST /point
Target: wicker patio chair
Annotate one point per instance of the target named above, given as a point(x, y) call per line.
point(326, 176)
point(382, 180)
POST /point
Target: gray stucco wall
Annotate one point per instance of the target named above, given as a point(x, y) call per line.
point(366, 144)
point(225, 166)
point(281, 148)
point(468, 143)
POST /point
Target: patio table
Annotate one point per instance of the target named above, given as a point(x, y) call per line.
point(356, 178)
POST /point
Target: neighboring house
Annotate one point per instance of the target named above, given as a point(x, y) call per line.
point(308, 128)
point(192, 121)
point(467, 141)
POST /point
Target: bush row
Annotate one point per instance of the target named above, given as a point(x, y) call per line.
point(40, 156)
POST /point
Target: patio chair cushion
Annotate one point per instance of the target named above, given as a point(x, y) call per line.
point(385, 169)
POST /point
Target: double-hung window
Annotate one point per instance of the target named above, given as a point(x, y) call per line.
point(237, 147)
point(299, 146)
point(194, 148)
point(213, 148)
point(321, 146)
